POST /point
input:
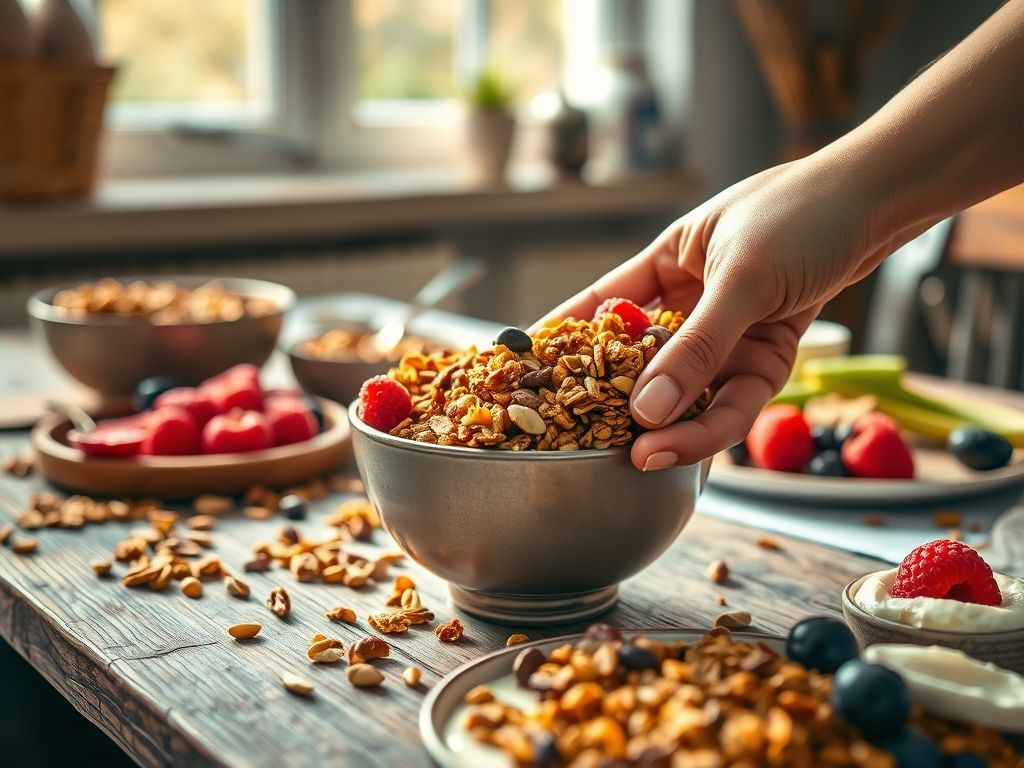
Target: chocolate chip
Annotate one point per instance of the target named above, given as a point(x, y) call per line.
point(526, 663)
point(537, 379)
point(515, 339)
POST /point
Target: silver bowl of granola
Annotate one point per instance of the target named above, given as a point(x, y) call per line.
point(524, 536)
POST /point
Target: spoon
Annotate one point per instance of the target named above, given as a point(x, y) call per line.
point(79, 419)
point(457, 277)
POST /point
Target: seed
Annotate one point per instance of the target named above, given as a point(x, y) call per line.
point(25, 546)
point(279, 602)
point(192, 587)
point(5, 533)
point(201, 522)
point(211, 504)
point(245, 631)
point(516, 340)
point(411, 676)
point(326, 651)
point(516, 639)
point(297, 685)
point(342, 613)
point(236, 587)
point(364, 676)
point(527, 420)
point(101, 567)
point(718, 571)
point(479, 695)
point(734, 620)
point(767, 542)
point(259, 564)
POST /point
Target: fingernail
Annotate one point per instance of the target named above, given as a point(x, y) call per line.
point(657, 400)
point(660, 460)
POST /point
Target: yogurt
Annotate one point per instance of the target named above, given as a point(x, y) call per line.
point(874, 596)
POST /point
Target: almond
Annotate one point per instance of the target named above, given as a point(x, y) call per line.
point(364, 676)
point(192, 587)
point(245, 631)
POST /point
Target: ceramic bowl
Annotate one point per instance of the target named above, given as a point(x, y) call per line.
point(1005, 648)
point(524, 537)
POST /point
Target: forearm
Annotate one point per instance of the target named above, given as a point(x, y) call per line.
point(952, 137)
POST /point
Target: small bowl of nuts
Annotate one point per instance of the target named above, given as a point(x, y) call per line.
point(510, 475)
point(113, 333)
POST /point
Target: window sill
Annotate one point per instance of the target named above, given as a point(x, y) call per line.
point(248, 211)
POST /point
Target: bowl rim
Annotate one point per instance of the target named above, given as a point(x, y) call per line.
point(586, 454)
point(858, 613)
point(40, 304)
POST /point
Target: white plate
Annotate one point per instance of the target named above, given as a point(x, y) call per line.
point(443, 713)
point(940, 477)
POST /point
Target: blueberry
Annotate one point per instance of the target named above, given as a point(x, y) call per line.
point(526, 663)
point(965, 760)
point(545, 751)
point(841, 434)
point(313, 404)
point(979, 449)
point(739, 453)
point(872, 698)
point(149, 390)
point(914, 750)
point(824, 438)
point(827, 464)
point(636, 658)
point(821, 643)
point(515, 339)
point(293, 507)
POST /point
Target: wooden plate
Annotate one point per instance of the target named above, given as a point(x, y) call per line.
point(178, 477)
point(443, 714)
point(940, 477)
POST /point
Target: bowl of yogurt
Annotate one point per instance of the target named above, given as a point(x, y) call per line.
point(993, 633)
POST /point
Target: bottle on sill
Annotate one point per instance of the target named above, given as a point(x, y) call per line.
point(60, 35)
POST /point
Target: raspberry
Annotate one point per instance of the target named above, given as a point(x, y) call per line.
point(384, 403)
point(946, 569)
point(780, 439)
point(877, 449)
point(633, 317)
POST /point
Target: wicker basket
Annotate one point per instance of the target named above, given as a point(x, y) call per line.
point(51, 118)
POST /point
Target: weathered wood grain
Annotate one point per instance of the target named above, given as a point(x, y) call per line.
point(159, 674)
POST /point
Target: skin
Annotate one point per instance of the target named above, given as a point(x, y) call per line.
point(754, 265)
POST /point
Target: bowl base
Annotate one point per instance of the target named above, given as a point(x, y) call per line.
point(534, 609)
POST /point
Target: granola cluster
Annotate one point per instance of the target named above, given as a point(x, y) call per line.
point(569, 392)
point(710, 704)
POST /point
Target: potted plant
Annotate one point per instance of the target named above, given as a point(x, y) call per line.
point(490, 127)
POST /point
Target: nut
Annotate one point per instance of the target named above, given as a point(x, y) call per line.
point(410, 599)
point(516, 639)
point(305, 567)
point(5, 532)
point(367, 649)
point(24, 546)
point(326, 651)
point(297, 685)
point(279, 602)
point(450, 631)
point(767, 542)
point(479, 695)
point(733, 620)
point(245, 631)
point(201, 522)
point(718, 571)
point(211, 504)
point(343, 614)
point(364, 676)
point(527, 419)
point(411, 676)
point(101, 567)
point(192, 587)
point(259, 564)
point(388, 623)
point(236, 587)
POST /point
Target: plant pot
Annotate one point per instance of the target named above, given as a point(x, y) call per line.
point(489, 135)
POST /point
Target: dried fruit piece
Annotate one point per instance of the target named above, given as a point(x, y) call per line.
point(364, 676)
point(450, 631)
point(300, 686)
point(244, 631)
point(279, 602)
point(733, 620)
point(411, 676)
point(342, 613)
point(192, 587)
point(516, 639)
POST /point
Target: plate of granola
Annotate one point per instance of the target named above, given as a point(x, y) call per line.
point(678, 697)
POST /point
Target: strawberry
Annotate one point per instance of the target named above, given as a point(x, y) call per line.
point(237, 431)
point(384, 403)
point(780, 439)
point(633, 316)
point(946, 569)
point(237, 387)
point(171, 431)
point(195, 401)
point(876, 449)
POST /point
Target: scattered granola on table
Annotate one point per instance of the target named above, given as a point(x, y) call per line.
point(569, 391)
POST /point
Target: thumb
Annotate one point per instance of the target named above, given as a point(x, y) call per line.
point(691, 359)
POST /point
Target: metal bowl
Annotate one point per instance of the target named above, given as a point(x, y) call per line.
point(335, 379)
point(113, 353)
point(533, 537)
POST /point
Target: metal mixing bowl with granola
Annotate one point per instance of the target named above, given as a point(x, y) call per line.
point(566, 390)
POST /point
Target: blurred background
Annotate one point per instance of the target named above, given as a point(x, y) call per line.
point(361, 145)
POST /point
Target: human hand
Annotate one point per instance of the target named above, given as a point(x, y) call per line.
point(751, 268)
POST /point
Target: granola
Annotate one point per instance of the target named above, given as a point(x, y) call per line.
point(569, 392)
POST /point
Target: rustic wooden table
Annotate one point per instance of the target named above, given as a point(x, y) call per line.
point(159, 674)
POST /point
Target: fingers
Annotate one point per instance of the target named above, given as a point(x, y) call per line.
point(692, 358)
point(726, 421)
point(635, 279)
